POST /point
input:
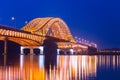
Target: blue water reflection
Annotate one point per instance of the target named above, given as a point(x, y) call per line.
point(83, 67)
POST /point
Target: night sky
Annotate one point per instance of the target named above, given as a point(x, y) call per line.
point(95, 20)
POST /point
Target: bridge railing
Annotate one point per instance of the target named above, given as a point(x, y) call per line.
point(11, 32)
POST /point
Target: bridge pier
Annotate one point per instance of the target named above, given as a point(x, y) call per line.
point(41, 49)
point(71, 51)
point(5, 46)
point(58, 51)
point(21, 50)
point(32, 49)
point(66, 51)
point(84, 51)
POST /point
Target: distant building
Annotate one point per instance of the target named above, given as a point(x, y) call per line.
point(110, 51)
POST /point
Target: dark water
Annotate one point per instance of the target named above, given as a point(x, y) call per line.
point(33, 67)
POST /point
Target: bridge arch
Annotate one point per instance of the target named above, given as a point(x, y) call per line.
point(54, 27)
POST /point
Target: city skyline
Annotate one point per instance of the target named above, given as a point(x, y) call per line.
point(96, 21)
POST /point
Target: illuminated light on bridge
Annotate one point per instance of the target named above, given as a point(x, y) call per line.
point(21, 37)
point(85, 42)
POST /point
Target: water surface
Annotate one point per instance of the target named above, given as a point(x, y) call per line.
point(71, 67)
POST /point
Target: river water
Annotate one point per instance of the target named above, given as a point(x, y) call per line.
point(67, 67)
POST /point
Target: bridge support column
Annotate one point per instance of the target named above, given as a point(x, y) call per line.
point(5, 60)
point(41, 49)
point(84, 51)
point(58, 51)
point(65, 52)
point(5, 46)
point(21, 50)
point(31, 50)
point(71, 51)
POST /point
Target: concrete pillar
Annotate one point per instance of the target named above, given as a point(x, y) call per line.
point(5, 60)
point(41, 49)
point(21, 50)
point(58, 51)
point(5, 45)
point(71, 51)
point(64, 52)
point(31, 50)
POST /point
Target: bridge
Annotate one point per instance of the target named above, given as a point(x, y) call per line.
point(36, 31)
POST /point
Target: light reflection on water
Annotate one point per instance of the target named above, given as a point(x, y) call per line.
point(33, 67)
